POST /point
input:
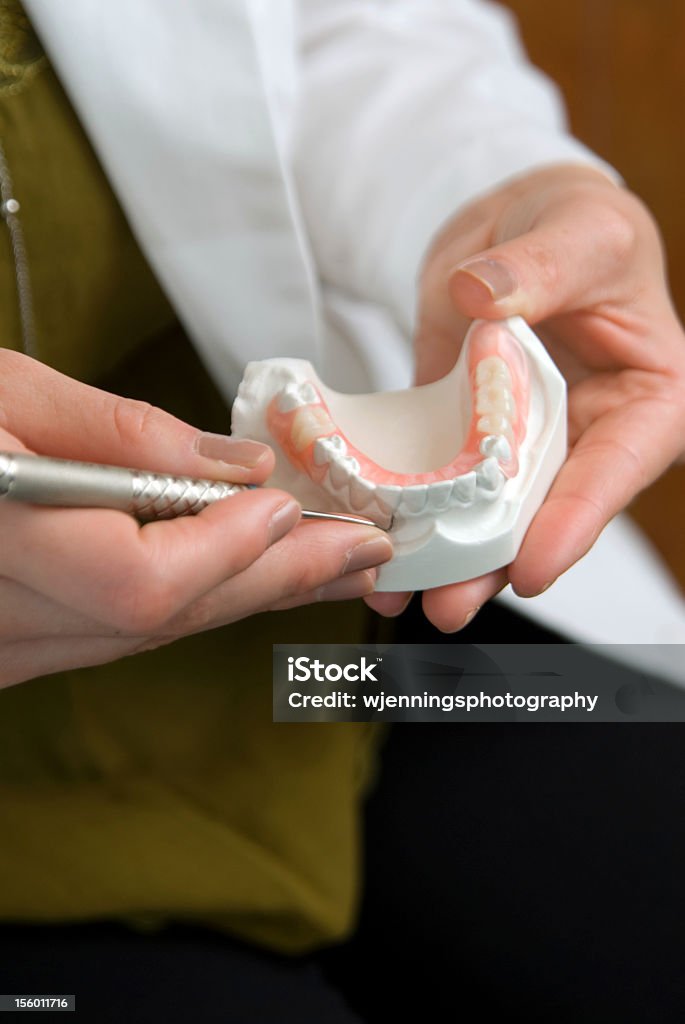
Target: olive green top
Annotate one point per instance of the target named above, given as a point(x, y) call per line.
point(157, 787)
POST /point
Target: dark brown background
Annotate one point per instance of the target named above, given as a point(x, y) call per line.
point(621, 66)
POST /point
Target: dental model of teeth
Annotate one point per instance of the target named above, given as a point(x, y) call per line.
point(456, 469)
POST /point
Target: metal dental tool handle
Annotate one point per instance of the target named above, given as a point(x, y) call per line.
point(46, 481)
point(39, 480)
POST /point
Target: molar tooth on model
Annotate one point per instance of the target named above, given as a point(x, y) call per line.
point(341, 469)
point(489, 477)
point(492, 398)
point(307, 393)
point(495, 423)
point(289, 399)
point(295, 395)
point(493, 369)
point(497, 446)
point(455, 469)
point(326, 448)
point(336, 444)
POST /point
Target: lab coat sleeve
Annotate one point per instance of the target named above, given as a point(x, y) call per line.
point(407, 110)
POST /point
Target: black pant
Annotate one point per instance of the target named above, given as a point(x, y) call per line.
point(534, 872)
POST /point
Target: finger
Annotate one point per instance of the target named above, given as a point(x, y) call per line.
point(10, 443)
point(452, 607)
point(389, 604)
point(346, 588)
point(440, 328)
point(615, 459)
point(39, 656)
point(576, 254)
point(100, 563)
point(29, 659)
point(25, 614)
point(325, 560)
point(54, 415)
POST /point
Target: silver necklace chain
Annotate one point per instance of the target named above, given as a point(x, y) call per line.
point(9, 210)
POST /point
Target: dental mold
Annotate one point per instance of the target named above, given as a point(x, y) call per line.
point(456, 468)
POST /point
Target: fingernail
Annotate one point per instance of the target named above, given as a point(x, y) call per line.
point(282, 521)
point(546, 587)
point(496, 277)
point(368, 554)
point(358, 585)
point(403, 607)
point(470, 616)
point(233, 450)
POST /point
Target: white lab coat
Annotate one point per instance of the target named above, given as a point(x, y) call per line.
point(285, 163)
point(279, 158)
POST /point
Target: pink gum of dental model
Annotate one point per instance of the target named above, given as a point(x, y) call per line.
point(488, 341)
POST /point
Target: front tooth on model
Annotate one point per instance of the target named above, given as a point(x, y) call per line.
point(439, 496)
point(464, 489)
point(497, 446)
point(341, 469)
point(309, 423)
point(390, 495)
point(414, 498)
point(362, 492)
point(489, 476)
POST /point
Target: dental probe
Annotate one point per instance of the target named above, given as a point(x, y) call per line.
point(39, 480)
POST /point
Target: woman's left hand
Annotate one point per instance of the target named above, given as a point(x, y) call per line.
point(581, 259)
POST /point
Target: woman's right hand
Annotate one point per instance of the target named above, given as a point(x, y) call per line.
point(86, 586)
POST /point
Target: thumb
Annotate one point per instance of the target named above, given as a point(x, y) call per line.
point(571, 259)
point(51, 414)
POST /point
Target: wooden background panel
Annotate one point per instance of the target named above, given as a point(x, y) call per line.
point(621, 66)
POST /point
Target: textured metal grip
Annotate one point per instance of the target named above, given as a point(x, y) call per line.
point(6, 472)
point(155, 496)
